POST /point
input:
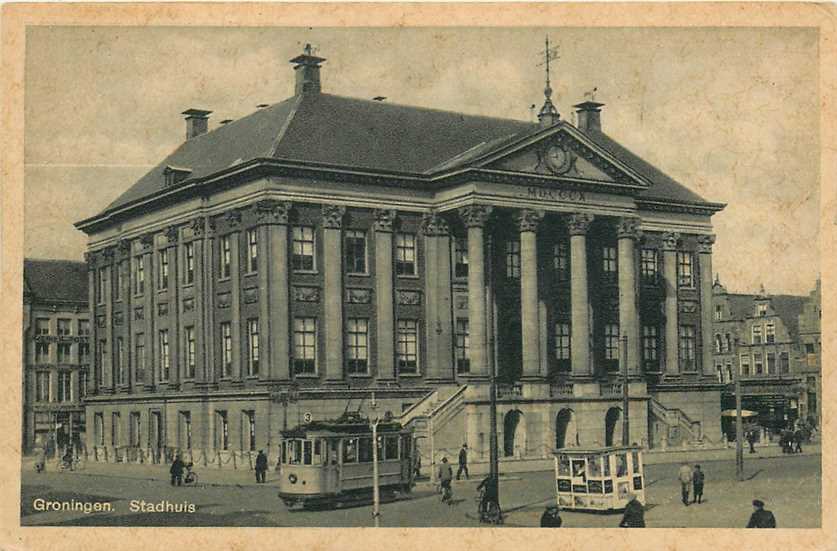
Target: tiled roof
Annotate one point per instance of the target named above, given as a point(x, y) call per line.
point(348, 132)
point(55, 280)
point(787, 307)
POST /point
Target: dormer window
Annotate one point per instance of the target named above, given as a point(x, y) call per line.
point(761, 310)
point(174, 175)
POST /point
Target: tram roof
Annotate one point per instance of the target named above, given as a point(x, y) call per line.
point(337, 428)
point(599, 450)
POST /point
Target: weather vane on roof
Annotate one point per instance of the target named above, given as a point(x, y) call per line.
point(549, 55)
point(309, 49)
point(548, 111)
point(591, 94)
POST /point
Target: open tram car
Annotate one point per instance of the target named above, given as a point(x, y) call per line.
point(330, 462)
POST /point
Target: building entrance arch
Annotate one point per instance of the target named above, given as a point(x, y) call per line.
point(612, 418)
point(514, 433)
point(566, 431)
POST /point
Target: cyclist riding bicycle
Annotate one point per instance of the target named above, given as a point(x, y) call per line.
point(489, 507)
point(445, 478)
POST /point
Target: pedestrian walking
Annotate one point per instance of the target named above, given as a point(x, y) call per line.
point(697, 484)
point(176, 471)
point(634, 515)
point(751, 439)
point(463, 462)
point(445, 478)
point(761, 517)
point(261, 467)
point(551, 518)
point(798, 437)
point(685, 476)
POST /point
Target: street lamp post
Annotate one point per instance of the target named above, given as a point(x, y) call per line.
point(376, 494)
point(494, 459)
point(739, 424)
point(626, 424)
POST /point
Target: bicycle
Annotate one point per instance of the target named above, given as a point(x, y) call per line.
point(191, 476)
point(488, 511)
point(446, 492)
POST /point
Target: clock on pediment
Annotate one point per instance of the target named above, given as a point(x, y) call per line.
point(558, 159)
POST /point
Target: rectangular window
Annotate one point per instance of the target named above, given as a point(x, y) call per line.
point(253, 347)
point(139, 359)
point(562, 342)
point(561, 260)
point(226, 349)
point(761, 310)
point(305, 346)
point(64, 352)
point(756, 334)
point(42, 386)
point(82, 384)
point(684, 270)
point(719, 312)
point(42, 326)
point(609, 260)
point(134, 427)
point(119, 362)
point(115, 429)
point(771, 363)
point(165, 365)
point(83, 328)
point(99, 429)
point(770, 333)
point(189, 271)
point(405, 254)
point(460, 257)
point(687, 347)
point(185, 430)
point(253, 250)
point(611, 344)
point(745, 365)
point(222, 430)
point(103, 354)
point(190, 352)
point(83, 353)
point(463, 346)
point(139, 275)
point(41, 352)
point(249, 430)
point(513, 259)
point(101, 285)
point(225, 257)
point(650, 343)
point(64, 387)
point(758, 363)
point(784, 363)
point(407, 347)
point(304, 250)
point(648, 266)
point(355, 252)
point(357, 346)
point(63, 328)
point(117, 281)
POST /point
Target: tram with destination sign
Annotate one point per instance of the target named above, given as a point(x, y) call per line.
point(599, 479)
point(330, 462)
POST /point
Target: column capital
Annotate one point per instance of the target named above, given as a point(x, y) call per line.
point(90, 259)
point(385, 219)
point(233, 219)
point(124, 247)
point(475, 215)
point(670, 240)
point(107, 253)
point(579, 223)
point(172, 234)
point(705, 243)
point(432, 224)
point(528, 220)
point(270, 211)
point(333, 216)
point(198, 226)
point(628, 228)
point(147, 239)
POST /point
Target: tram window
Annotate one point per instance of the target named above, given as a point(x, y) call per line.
point(284, 452)
point(391, 447)
point(578, 468)
point(294, 452)
point(594, 466)
point(621, 464)
point(564, 466)
point(365, 450)
point(606, 465)
point(306, 452)
point(350, 450)
point(635, 462)
point(332, 446)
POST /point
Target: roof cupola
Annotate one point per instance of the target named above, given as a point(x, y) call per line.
point(307, 69)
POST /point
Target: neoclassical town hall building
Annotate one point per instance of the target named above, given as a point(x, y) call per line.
point(327, 253)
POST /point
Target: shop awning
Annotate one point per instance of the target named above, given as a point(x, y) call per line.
point(744, 413)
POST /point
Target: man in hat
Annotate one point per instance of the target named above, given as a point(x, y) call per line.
point(445, 477)
point(463, 462)
point(551, 517)
point(261, 467)
point(685, 476)
point(761, 517)
point(697, 485)
point(634, 515)
point(176, 471)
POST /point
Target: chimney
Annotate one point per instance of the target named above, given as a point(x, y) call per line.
point(307, 69)
point(196, 122)
point(589, 115)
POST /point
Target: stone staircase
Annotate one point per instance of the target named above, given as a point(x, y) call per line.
point(690, 430)
point(429, 416)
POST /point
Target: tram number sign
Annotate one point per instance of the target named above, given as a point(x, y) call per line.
point(307, 417)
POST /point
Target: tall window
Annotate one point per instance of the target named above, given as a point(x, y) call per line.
point(190, 352)
point(165, 363)
point(189, 272)
point(718, 344)
point(222, 430)
point(562, 343)
point(225, 257)
point(609, 261)
point(770, 332)
point(63, 328)
point(83, 353)
point(117, 281)
point(41, 352)
point(561, 260)
point(650, 344)
point(103, 354)
point(249, 422)
point(65, 393)
point(684, 270)
point(687, 347)
point(115, 429)
point(226, 349)
point(784, 363)
point(357, 346)
point(407, 346)
point(513, 259)
point(728, 342)
point(253, 347)
point(305, 346)
point(134, 421)
point(756, 334)
point(163, 270)
point(745, 365)
point(761, 309)
point(82, 384)
point(303, 249)
point(99, 429)
point(42, 326)
point(42, 386)
point(355, 252)
point(252, 250)
point(64, 352)
point(771, 363)
point(139, 275)
point(119, 361)
point(405, 254)
point(460, 257)
point(719, 312)
point(185, 428)
point(611, 342)
point(83, 328)
point(463, 346)
point(648, 266)
point(139, 359)
point(101, 285)
point(758, 363)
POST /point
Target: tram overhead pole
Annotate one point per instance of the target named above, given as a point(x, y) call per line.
point(494, 456)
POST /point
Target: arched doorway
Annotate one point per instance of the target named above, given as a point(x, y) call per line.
point(513, 433)
point(611, 421)
point(566, 433)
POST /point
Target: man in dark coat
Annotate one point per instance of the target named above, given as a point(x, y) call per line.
point(551, 518)
point(634, 516)
point(261, 466)
point(798, 437)
point(176, 471)
point(751, 439)
point(697, 485)
point(761, 518)
point(463, 462)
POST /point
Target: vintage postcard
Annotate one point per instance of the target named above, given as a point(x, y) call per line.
point(418, 266)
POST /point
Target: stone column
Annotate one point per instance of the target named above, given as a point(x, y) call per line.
point(528, 221)
point(705, 243)
point(578, 225)
point(384, 309)
point(332, 321)
point(672, 363)
point(175, 328)
point(93, 339)
point(124, 266)
point(273, 274)
point(474, 217)
point(109, 378)
point(627, 234)
point(234, 223)
point(198, 243)
point(209, 277)
point(146, 242)
point(437, 293)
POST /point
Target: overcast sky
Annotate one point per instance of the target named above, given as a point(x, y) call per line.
point(730, 113)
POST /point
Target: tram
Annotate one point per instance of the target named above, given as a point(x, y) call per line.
point(599, 479)
point(330, 462)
